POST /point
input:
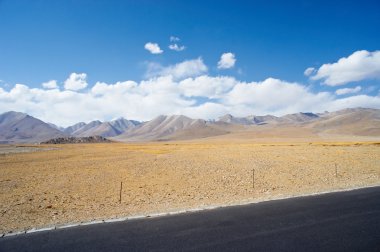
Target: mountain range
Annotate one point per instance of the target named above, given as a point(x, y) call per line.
point(98, 128)
point(16, 127)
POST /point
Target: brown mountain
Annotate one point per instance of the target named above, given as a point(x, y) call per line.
point(18, 127)
point(104, 129)
point(176, 127)
point(358, 121)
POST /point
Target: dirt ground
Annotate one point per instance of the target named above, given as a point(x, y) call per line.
point(73, 183)
point(6, 149)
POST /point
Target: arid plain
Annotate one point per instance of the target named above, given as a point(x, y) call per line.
point(78, 183)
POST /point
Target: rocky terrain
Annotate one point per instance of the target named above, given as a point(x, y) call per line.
point(75, 140)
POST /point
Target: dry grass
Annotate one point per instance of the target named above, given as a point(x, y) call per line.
point(81, 182)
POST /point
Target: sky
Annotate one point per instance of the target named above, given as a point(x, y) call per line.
point(70, 61)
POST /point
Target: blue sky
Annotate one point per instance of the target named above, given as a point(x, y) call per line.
point(49, 40)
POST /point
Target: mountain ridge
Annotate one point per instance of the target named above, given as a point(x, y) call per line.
point(18, 127)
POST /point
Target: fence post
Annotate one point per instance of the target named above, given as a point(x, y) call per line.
point(253, 178)
point(121, 188)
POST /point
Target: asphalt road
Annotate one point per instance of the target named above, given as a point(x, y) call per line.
point(345, 221)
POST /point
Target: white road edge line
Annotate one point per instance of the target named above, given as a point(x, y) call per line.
point(161, 214)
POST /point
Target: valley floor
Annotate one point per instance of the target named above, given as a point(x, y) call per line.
point(73, 183)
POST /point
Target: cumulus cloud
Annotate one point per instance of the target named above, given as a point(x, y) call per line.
point(207, 110)
point(227, 60)
point(153, 48)
point(102, 88)
point(197, 96)
point(274, 96)
point(185, 69)
point(163, 95)
point(174, 39)
point(361, 65)
point(355, 101)
point(176, 47)
point(206, 86)
point(309, 71)
point(344, 91)
point(76, 82)
point(50, 84)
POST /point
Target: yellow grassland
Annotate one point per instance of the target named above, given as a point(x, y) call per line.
point(73, 183)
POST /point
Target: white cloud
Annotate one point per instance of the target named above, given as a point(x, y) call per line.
point(206, 86)
point(168, 94)
point(363, 101)
point(153, 48)
point(361, 65)
point(227, 60)
point(274, 96)
point(309, 71)
point(344, 91)
point(207, 110)
point(174, 39)
point(76, 82)
point(177, 48)
point(50, 84)
point(185, 69)
point(174, 46)
point(103, 89)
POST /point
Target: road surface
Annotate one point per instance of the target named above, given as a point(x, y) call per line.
point(344, 221)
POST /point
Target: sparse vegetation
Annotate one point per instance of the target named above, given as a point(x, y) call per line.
point(75, 183)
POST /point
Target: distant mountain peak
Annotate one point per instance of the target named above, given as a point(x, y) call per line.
point(104, 129)
point(19, 127)
point(226, 116)
point(12, 115)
